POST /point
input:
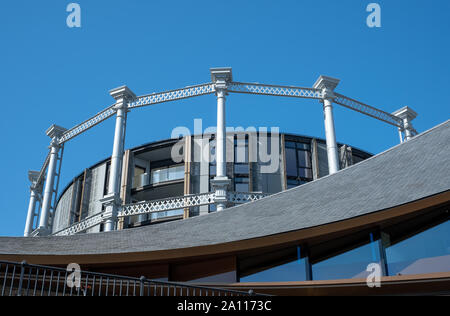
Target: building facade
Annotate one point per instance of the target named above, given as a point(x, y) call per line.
point(178, 167)
point(387, 215)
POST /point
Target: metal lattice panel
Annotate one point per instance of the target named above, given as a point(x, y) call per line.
point(244, 197)
point(263, 89)
point(80, 128)
point(87, 223)
point(167, 204)
point(160, 206)
point(367, 110)
point(41, 175)
point(172, 95)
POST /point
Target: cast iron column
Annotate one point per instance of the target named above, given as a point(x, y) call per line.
point(123, 95)
point(34, 195)
point(221, 77)
point(407, 115)
point(327, 85)
point(54, 132)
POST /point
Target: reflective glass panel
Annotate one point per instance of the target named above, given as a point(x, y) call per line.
point(284, 265)
point(348, 265)
point(241, 169)
point(424, 252)
point(291, 162)
point(304, 158)
point(305, 173)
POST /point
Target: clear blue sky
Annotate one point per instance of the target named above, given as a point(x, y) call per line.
point(54, 74)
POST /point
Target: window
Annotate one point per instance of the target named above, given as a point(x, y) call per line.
point(347, 265)
point(139, 180)
point(277, 266)
point(241, 184)
point(212, 169)
point(298, 163)
point(159, 215)
point(417, 251)
point(212, 159)
point(241, 156)
point(167, 174)
point(291, 162)
point(291, 183)
point(107, 172)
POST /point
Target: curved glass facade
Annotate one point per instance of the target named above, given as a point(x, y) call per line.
point(417, 246)
point(427, 251)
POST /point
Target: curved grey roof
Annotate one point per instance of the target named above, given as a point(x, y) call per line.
point(402, 174)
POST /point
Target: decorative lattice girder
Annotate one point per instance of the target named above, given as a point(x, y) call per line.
point(244, 197)
point(160, 206)
point(167, 204)
point(80, 128)
point(41, 175)
point(367, 110)
point(172, 95)
point(264, 89)
point(83, 225)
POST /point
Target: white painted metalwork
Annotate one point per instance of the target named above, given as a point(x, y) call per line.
point(172, 95)
point(89, 123)
point(167, 204)
point(140, 101)
point(244, 197)
point(367, 110)
point(122, 95)
point(54, 132)
point(221, 77)
point(274, 90)
point(41, 175)
point(34, 198)
point(327, 85)
point(221, 85)
point(406, 115)
point(83, 225)
point(162, 205)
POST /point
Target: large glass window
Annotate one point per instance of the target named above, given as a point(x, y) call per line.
point(139, 178)
point(418, 246)
point(241, 184)
point(298, 163)
point(344, 258)
point(278, 266)
point(107, 172)
point(291, 183)
point(158, 215)
point(241, 156)
point(419, 251)
point(167, 174)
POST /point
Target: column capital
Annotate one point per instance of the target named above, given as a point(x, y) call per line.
point(327, 85)
point(122, 95)
point(55, 132)
point(220, 185)
point(111, 199)
point(221, 77)
point(33, 177)
point(111, 202)
point(405, 113)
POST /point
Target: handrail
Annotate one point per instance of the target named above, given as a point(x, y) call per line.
point(22, 278)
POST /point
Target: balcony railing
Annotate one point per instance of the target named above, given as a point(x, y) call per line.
point(162, 205)
point(23, 279)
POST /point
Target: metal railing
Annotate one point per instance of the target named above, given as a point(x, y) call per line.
point(161, 205)
point(23, 279)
